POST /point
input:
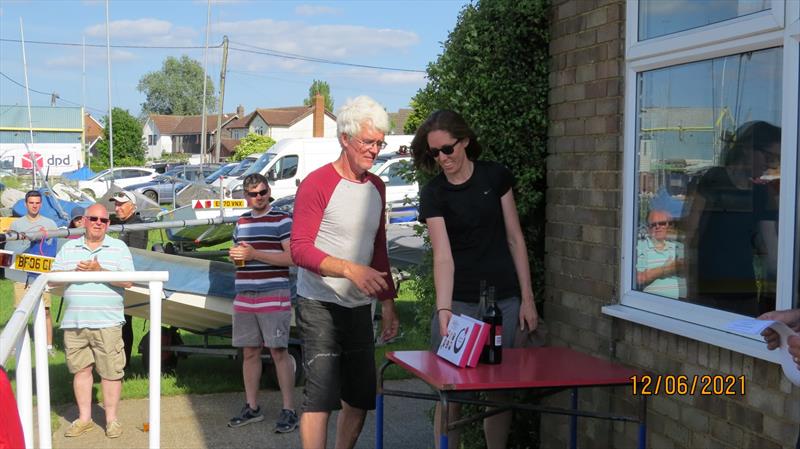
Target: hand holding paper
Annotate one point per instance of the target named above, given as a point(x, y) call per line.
point(778, 335)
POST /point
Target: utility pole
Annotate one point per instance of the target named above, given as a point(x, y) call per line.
point(222, 71)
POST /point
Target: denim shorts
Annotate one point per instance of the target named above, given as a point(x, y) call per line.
point(338, 356)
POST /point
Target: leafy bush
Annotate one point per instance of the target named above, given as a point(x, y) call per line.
point(129, 149)
point(251, 143)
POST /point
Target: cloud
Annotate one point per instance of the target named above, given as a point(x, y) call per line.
point(349, 43)
point(385, 77)
point(145, 31)
point(94, 57)
point(314, 10)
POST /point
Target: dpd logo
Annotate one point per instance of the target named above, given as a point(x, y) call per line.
point(27, 164)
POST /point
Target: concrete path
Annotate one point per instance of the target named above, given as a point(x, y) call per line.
point(200, 421)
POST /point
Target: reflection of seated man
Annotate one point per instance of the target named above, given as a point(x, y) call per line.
point(658, 260)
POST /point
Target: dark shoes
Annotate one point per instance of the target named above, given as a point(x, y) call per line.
point(246, 416)
point(287, 422)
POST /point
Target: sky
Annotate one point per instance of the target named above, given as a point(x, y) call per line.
point(381, 34)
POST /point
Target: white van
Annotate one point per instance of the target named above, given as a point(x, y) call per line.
point(287, 162)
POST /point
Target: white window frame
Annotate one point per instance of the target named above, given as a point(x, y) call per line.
point(683, 318)
point(769, 20)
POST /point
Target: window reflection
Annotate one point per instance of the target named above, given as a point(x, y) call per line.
point(709, 170)
point(662, 17)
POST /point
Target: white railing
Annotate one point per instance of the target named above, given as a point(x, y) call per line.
point(15, 335)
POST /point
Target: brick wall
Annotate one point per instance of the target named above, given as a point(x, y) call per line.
point(584, 202)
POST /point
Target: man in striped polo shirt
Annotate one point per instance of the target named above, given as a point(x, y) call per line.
point(93, 320)
point(262, 307)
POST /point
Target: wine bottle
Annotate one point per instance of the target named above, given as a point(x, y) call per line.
point(493, 351)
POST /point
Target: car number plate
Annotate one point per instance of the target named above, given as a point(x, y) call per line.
point(29, 262)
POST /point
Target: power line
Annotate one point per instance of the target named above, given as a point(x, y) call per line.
point(48, 93)
point(285, 55)
point(254, 50)
point(74, 44)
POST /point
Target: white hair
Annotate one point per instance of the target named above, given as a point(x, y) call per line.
point(360, 110)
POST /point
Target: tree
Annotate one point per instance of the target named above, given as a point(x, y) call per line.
point(322, 88)
point(251, 143)
point(176, 89)
point(129, 149)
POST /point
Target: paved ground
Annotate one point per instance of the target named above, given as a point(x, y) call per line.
point(199, 421)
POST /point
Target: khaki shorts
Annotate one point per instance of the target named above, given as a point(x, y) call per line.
point(102, 348)
point(19, 291)
point(255, 330)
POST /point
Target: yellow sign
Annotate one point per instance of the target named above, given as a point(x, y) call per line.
point(214, 204)
point(29, 262)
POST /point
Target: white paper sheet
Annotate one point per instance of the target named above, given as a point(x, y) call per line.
point(752, 326)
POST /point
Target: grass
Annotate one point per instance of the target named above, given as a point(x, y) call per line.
point(196, 374)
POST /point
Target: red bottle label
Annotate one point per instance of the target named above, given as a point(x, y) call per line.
point(498, 336)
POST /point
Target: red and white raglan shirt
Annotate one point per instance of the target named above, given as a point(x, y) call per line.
point(262, 287)
point(341, 218)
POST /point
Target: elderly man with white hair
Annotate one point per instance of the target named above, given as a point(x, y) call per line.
point(339, 244)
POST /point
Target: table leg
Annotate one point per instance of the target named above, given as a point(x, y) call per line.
point(573, 420)
point(444, 421)
point(642, 421)
point(379, 421)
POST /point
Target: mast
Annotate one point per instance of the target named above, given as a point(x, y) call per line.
point(86, 157)
point(110, 111)
point(203, 131)
point(222, 71)
point(34, 166)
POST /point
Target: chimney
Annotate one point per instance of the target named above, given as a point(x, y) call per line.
point(319, 116)
point(240, 111)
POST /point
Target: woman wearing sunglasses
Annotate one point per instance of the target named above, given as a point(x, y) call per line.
point(476, 236)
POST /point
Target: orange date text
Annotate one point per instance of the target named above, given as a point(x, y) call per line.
point(680, 385)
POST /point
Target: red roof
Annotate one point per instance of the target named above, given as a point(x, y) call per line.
point(188, 124)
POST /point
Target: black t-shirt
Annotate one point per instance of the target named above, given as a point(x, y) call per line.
point(133, 239)
point(476, 229)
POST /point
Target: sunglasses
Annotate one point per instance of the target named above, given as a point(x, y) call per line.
point(663, 224)
point(93, 219)
point(264, 192)
point(446, 149)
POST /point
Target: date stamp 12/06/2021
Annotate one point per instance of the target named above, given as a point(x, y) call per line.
point(683, 385)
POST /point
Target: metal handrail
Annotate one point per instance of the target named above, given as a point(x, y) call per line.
point(15, 335)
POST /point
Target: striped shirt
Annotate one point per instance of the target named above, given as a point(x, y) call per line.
point(649, 257)
point(93, 305)
point(262, 287)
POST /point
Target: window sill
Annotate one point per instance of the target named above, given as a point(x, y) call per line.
point(734, 342)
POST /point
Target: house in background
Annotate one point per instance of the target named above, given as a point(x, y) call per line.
point(292, 121)
point(181, 134)
point(398, 120)
point(93, 131)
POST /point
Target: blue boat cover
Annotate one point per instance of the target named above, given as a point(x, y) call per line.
point(189, 275)
point(81, 174)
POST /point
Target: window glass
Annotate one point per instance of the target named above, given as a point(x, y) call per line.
point(708, 159)
point(395, 174)
point(285, 167)
point(662, 17)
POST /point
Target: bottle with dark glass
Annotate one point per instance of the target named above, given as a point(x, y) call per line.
point(493, 351)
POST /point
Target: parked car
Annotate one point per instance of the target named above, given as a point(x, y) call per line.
point(221, 172)
point(390, 168)
point(163, 187)
point(122, 177)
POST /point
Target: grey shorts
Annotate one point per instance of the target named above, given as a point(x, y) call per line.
point(338, 356)
point(509, 307)
point(268, 329)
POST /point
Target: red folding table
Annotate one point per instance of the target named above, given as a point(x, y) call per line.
point(552, 369)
